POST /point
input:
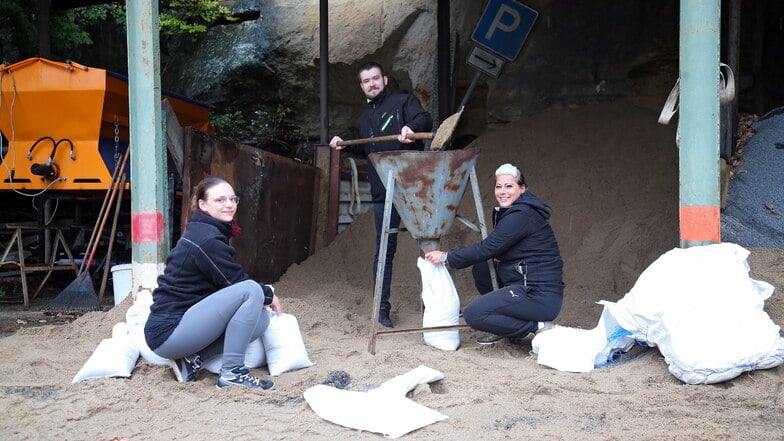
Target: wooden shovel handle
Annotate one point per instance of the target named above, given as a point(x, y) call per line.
point(113, 189)
point(418, 135)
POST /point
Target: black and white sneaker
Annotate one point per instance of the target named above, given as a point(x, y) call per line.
point(185, 369)
point(488, 339)
point(543, 326)
point(240, 376)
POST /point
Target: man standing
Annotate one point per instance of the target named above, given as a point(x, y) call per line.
point(387, 113)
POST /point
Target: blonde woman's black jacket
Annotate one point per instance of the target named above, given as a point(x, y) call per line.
point(522, 243)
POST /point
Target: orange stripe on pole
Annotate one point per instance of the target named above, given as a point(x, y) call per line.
point(147, 227)
point(700, 223)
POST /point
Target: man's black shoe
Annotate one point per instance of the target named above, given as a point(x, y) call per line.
point(383, 318)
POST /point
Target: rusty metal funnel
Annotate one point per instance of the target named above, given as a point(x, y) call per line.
point(428, 187)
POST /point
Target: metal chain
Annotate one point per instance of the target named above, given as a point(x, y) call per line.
point(116, 140)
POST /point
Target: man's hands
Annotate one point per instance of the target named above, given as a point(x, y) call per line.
point(403, 133)
point(402, 138)
point(334, 143)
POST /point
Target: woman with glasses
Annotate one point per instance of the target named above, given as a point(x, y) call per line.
point(205, 304)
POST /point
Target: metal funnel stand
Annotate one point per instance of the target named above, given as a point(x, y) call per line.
point(426, 188)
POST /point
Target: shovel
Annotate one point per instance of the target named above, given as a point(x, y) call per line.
point(417, 135)
point(441, 137)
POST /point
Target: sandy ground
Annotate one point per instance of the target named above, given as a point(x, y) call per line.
point(608, 171)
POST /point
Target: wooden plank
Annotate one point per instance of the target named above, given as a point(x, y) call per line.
point(174, 135)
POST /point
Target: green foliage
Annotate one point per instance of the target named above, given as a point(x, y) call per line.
point(190, 16)
point(229, 125)
point(70, 28)
point(259, 126)
point(16, 28)
point(184, 17)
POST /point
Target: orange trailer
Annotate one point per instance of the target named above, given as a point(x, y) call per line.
point(64, 125)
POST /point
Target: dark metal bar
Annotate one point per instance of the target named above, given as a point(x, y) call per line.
point(733, 61)
point(430, 329)
point(444, 79)
point(467, 96)
point(334, 163)
point(758, 49)
point(324, 67)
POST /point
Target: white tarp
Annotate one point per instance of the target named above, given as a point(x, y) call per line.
point(384, 410)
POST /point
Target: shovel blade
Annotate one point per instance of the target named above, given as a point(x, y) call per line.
point(445, 131)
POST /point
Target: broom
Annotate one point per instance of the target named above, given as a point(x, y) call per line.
point(111, 240)
point(80, 295)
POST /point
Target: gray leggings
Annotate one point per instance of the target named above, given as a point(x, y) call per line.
point(223, 323)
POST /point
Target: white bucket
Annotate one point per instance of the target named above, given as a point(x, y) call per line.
point(121, 282)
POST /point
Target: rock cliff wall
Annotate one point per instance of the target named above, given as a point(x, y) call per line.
point(577, 52)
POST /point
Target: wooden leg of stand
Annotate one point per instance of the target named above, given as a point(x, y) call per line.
point(22, 270)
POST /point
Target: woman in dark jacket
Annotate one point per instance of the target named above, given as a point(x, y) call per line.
point(527, 260)
point(205, 304)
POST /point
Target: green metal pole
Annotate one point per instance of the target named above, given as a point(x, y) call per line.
point(149, 218)
point(700, 39)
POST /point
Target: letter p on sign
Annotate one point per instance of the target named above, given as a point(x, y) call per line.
point(504, 26)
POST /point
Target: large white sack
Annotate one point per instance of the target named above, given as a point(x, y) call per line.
point(442, 305)
point(283, 344)
point(704, 312)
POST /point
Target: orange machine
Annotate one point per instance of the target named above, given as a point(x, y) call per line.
point(64, 125)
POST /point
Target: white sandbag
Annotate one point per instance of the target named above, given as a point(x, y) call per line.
point(137, 336)
point(283, 344)
point(136, 315)
point(403, 384)
point(113, 357)
point(143, 297)
point(442, 305)
point(384, 410)
point(136, 318)
point(699, 306)
point(581, 350)
point(120, 330)
point(255, 357)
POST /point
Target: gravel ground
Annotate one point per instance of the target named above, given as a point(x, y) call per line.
point(754, 213)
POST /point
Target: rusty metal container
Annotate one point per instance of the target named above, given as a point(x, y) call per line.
point(428, 188)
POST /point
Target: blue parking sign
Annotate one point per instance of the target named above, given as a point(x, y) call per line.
point(504, 26)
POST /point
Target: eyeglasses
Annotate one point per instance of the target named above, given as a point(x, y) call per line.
point(225, 201)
